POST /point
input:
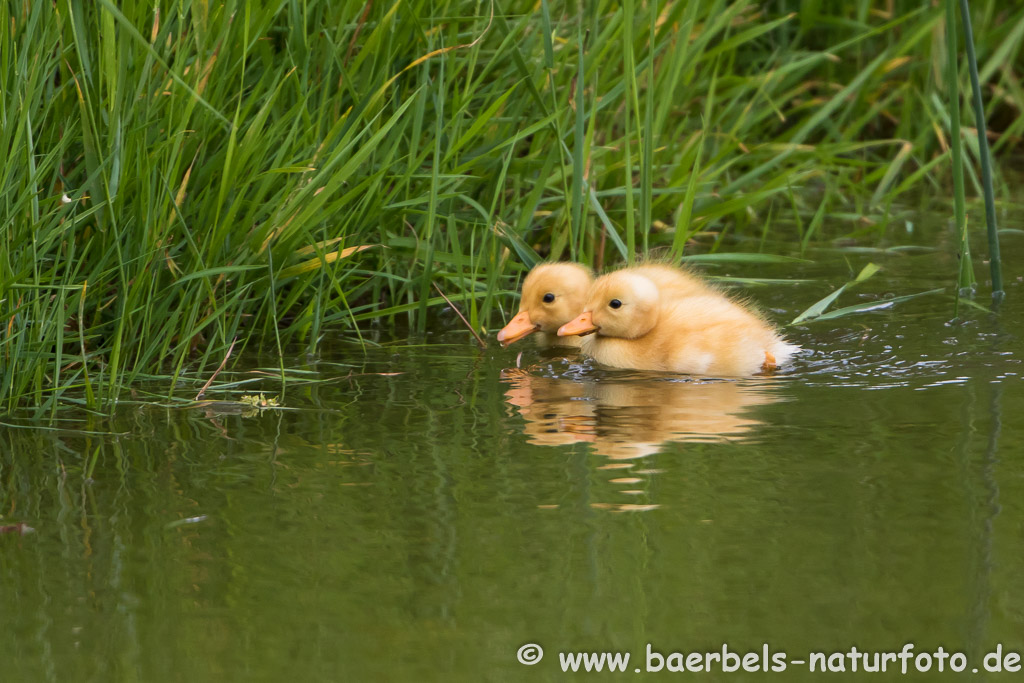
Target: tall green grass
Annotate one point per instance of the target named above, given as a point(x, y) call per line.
point(965, 275)
point(183, 177)
point(995, 260)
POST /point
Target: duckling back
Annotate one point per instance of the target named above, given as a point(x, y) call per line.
point(715, 336)
point(673, 280)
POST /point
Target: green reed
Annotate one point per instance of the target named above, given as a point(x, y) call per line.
point(984, 155)
point(965, 274)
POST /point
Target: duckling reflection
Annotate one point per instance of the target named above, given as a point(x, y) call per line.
point(636, 417)
point(633, 416)
point(557, 411)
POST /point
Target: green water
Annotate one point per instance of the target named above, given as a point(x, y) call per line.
point(422, 526)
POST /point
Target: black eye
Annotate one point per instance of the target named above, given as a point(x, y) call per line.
point(549, 297)
point(614, 303)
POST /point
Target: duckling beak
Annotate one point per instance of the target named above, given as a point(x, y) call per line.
point(583, 325)
point(517, 328)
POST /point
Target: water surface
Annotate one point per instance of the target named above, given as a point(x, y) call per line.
point(431, 508)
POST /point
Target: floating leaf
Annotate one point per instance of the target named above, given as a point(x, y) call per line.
point(866, 272)
point(875, 305)
point(819, 308)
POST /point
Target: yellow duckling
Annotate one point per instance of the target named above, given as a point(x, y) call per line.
point(637, 326)
point(553, 294)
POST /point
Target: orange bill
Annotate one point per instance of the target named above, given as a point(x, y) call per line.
point(517, 328)
point(584, 324)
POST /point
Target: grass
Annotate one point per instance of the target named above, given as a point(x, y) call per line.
point(201, 174)
point(965, 277)
point(984, 155)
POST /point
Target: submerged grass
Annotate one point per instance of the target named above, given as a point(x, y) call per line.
point(191, 175)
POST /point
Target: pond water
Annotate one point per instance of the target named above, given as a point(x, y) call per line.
point(432, 508)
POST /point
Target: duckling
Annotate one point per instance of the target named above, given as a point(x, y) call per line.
point(637, 326)
point(672, 281)
point(553, 294)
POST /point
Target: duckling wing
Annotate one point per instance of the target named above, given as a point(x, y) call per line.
point(715, 336)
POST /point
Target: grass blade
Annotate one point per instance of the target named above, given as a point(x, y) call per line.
point(965, 274)
point(995, 260)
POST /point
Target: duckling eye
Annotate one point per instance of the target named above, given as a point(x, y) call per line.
point(549, 297)
point(615, 303)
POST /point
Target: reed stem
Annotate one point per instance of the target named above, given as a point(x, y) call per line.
point(965, 275)
point(986, 164)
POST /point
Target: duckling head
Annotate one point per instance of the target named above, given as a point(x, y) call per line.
point(620, 304)
point(553, 294)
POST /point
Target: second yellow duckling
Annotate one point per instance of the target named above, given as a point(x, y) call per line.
point(639, 327)
point(553, 294)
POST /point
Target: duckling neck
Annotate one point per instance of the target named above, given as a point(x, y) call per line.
point(649, 326)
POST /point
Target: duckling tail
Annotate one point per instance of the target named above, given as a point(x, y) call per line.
point(779, 354)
